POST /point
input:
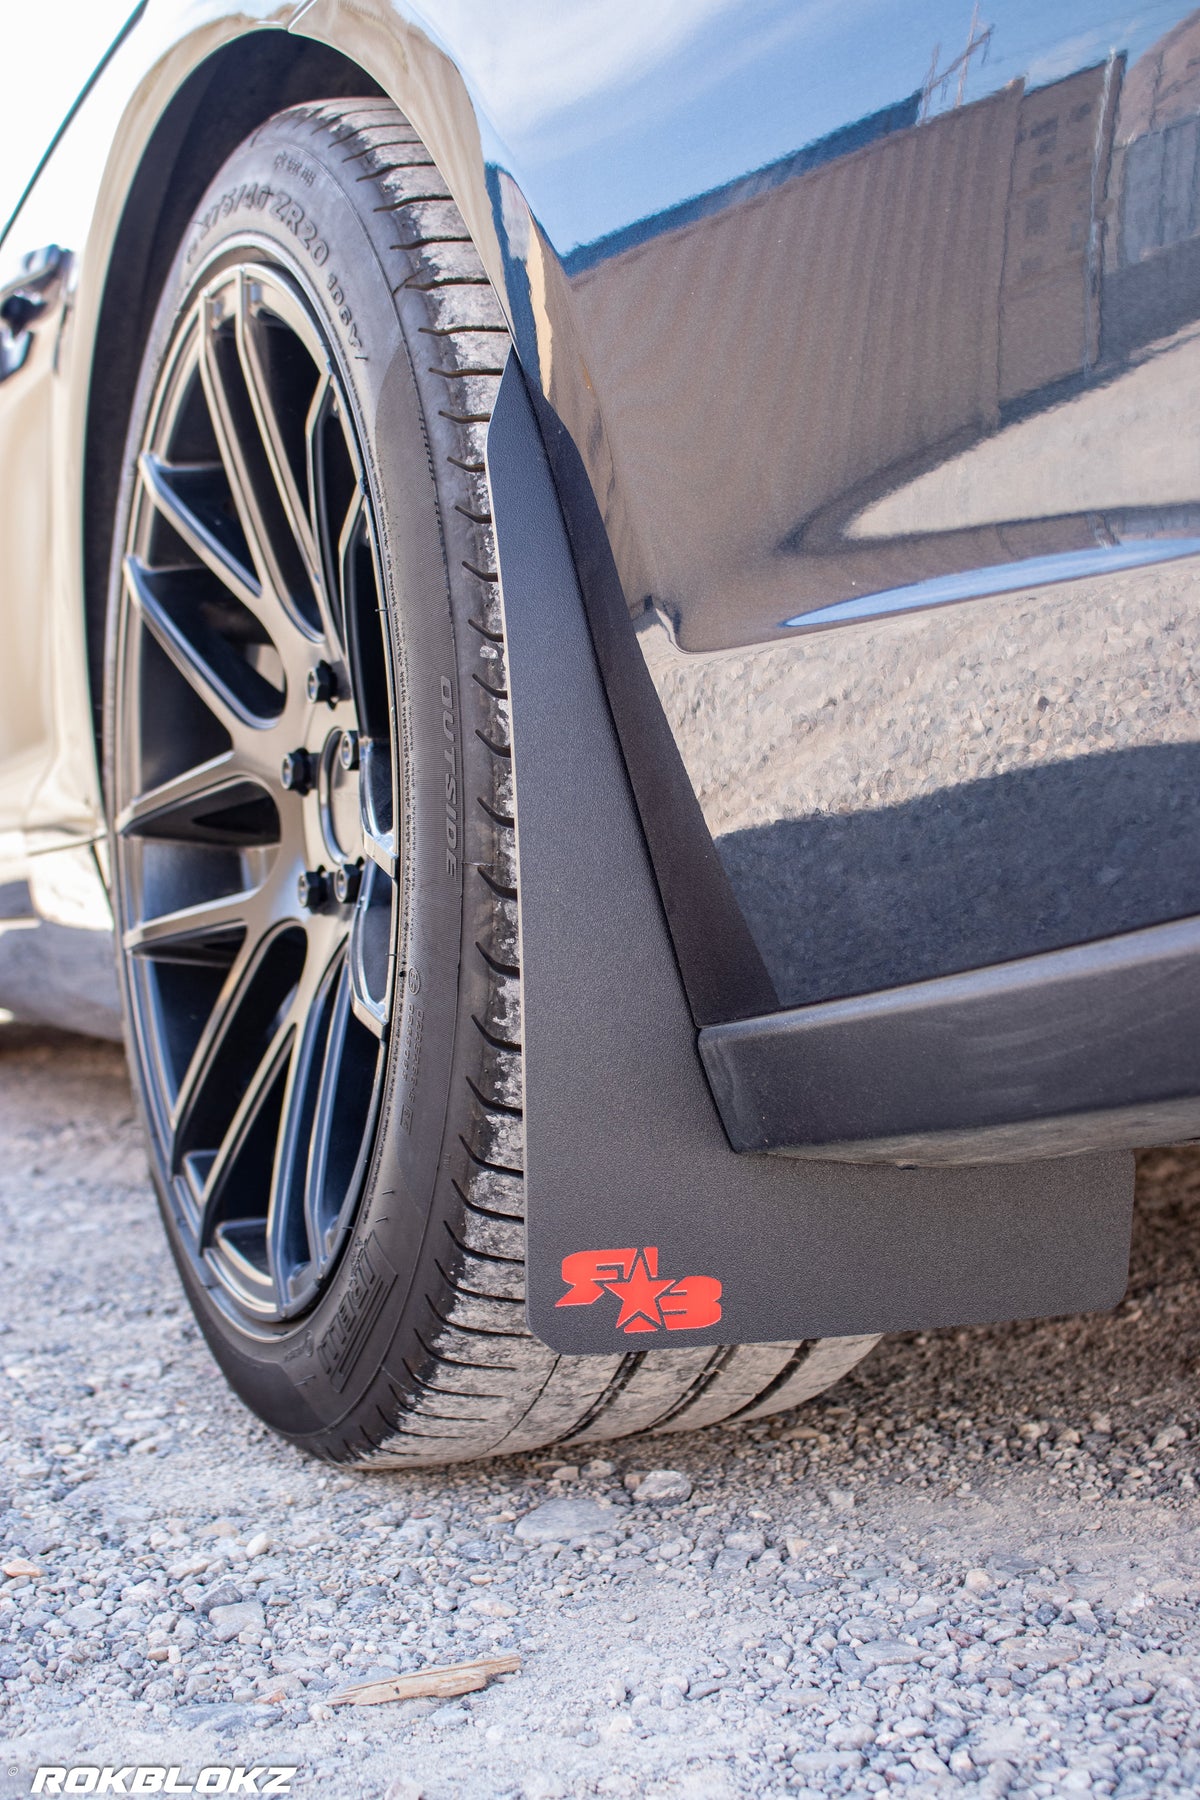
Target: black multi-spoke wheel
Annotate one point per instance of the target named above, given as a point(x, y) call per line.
point(313, 834)
point(254, 786)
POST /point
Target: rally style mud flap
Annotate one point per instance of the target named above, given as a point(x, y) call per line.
point(643, 1226)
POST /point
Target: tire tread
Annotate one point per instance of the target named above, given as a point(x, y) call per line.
point(484, 1384)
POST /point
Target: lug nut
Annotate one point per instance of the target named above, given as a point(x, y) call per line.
point(321, 683)
point(296, 772)
point(312, 889)
point(349, 750)
point(346, 884)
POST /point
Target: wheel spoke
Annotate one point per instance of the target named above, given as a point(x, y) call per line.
point(252, 342)
point(360, 612)
point(347, 541)
point(324, 1119)
point(380, 847)
point(275, 547)
point(370, 956)
point(320, 409)
point(333, 490)
point(246, 1011)
point(279, 1051)
point(293, 1226)
point(195, 928)
point(228, 684)
point(181, 807)
point(353, 522)
point(375, 805)
point(187, 496)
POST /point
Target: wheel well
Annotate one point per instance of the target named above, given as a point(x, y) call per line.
point(235, 90)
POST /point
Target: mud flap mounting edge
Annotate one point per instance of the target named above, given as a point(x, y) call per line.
point(643, 1227)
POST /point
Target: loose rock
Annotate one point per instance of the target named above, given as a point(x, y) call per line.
point(663, 1487)
point(563, 1522)
point(244, 1619)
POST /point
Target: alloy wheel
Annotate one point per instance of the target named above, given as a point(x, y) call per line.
point(256, 776)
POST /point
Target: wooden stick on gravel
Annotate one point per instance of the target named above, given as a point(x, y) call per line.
point(435, 1684)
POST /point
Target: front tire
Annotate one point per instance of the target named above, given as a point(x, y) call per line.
point(312, 827)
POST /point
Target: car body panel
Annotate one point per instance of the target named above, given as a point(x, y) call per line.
point(49, 782)
point(862, 345)
point(894, 444)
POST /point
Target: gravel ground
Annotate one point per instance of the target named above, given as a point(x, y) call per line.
point(971, 1568)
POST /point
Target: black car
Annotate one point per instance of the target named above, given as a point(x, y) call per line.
point(601, 602)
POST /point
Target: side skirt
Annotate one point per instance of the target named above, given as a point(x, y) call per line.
point(1043, 1056)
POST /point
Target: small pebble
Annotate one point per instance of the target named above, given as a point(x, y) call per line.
point(663, 1487)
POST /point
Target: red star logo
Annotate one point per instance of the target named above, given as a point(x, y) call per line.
point(690, 1303)
point(639, 1296)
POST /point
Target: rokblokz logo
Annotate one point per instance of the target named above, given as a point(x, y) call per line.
point(157, 1778)
point(648, 1301)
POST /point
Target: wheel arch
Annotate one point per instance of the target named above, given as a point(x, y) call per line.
point(205, 119)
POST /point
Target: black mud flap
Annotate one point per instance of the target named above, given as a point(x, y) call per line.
point(644, 1227)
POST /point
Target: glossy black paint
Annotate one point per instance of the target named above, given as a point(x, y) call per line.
point(883, 451)
point(863, 339)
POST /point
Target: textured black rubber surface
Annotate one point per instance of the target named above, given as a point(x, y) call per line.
point(417, 1349)
point(625, 1150)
